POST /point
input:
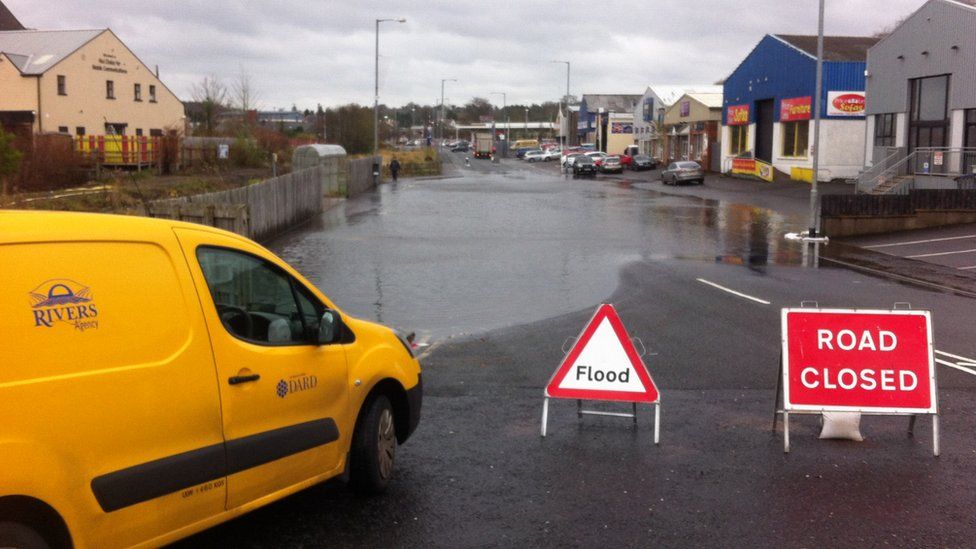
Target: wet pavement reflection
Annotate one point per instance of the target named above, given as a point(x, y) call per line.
point(510, 245)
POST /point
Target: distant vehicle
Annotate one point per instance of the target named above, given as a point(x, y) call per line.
point(448, 144)
point(588, 146)
point(571, 159)
point(679, 172)
point(461, 146)
point(643, 162)
point(534, 155)
point(628, 155)
point(568, 151)
point(597, 156)
point(552, 154)
point(526, 144)
point(584, 166)
point(520, 151)
point(611, 164)
point(483, 145)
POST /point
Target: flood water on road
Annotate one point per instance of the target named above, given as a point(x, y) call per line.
point(462, 255)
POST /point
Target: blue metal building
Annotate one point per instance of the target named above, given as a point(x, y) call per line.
point(768, 104)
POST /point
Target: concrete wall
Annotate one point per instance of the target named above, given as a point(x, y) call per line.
point(837, 227)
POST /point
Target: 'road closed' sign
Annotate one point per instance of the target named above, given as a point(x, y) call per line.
point(865, 360)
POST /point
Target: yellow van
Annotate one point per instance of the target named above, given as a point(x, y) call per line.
point(526, 144)
point(158, 378)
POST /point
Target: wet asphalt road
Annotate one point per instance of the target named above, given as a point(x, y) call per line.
point(528, 256)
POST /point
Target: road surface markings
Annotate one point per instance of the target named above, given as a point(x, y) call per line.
point(962, 363)
point(941, 253)
point(733, 292)
point(967, 268)
point(921, 241)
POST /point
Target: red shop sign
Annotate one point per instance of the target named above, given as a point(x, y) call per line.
point(796, 108)
point(737, 115)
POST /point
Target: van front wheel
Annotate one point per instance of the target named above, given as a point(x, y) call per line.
point(13, 534)
point(373, 447)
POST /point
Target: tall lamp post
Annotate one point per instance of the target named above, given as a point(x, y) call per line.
point(441, 125)
point(508, 121)
point(566, 114)
point(526, 129)
point(376, 89)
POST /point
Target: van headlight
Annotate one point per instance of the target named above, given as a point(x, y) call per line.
point(406, 339)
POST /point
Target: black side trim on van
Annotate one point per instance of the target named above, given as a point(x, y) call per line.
point(146, 481)
point(254, 450)
point(153, 479)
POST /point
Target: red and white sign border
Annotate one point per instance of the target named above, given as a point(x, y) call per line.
point(788, 408)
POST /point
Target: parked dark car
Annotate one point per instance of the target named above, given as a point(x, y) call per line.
point(611, 164)
point(584, 165)
point(679, 172)
point(643, 162)
point(461, 146)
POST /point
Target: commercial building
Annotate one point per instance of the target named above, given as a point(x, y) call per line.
point(566, 121)
point(593, 125)
point(768, 102)
point(83, 82)
point(691, 129)
point(649, 114)
point(921, 88)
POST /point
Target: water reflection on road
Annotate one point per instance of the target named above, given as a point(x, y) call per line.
point(463, 255)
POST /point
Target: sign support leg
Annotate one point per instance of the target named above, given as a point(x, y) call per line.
point(786, 432)
point(911, 425)
point(779, 392)
point(579, 409)
point(545, 415)
point(657, 422)
point(935, 435)
point(635, 413)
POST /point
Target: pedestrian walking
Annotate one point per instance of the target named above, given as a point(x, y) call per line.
point(394, 168)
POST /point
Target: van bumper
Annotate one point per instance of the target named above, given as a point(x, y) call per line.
point(415, 398)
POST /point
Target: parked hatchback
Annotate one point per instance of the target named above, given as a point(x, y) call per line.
point(642, 162)
point(584, 165)
point(611, 164)
point(161, 377)
point(680, 172)
point(534, 155)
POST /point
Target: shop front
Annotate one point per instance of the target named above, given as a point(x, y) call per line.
point(692, 128)
point(768, 106)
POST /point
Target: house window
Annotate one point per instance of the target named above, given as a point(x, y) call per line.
point(138, 131)
point(137, 92)
point(62, 85)
point(156, 133)
point(884, 130)
point(795, 136)
point(152, 93)
point(80, 130)
point(63, 129)
point(738, 139)
point(109, 89)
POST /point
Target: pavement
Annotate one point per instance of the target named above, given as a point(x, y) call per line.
point(700, 275)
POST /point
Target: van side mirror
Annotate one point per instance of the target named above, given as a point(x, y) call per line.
point(330, 328)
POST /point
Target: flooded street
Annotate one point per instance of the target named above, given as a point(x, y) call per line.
point(509, 244)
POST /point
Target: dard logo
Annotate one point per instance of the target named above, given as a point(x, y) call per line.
point(295, 384)
point(63, 300)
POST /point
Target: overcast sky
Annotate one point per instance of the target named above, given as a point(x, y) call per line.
point(305, 52)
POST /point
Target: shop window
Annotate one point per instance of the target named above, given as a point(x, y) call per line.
point(738, 139)
point(884, 130)
point(109, 89)
point(152, 93)
point(795, 137)
point(63, 129)
point(80, 130)
point(62, 85)
point(137, 92)
point(139, 131)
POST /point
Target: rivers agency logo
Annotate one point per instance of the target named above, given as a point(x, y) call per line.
point(63, 301)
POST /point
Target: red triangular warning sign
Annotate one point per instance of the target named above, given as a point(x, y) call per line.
point(603, 365)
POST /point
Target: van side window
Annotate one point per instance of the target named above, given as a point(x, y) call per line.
point(257, 301)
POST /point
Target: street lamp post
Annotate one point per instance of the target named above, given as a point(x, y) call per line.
point(441, 125)
point(508, 121)
point(566, 98)
point(526, 129)
point(376, 88)
point(813, 228)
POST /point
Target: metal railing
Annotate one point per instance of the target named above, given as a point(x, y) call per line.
point(924, 163)
point(868, 178)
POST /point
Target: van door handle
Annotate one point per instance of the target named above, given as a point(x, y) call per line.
point(237, 380)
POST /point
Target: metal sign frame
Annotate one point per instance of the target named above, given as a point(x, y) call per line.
point(783, 385)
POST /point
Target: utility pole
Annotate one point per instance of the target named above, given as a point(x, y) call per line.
point(441, 126)
point(566, 98)
point(376, 87)
point(814, 222)
point(508, 120)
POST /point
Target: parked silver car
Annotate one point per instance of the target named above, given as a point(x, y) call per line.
point(679, 172)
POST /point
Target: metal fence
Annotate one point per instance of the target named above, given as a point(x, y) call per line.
point(839, 205)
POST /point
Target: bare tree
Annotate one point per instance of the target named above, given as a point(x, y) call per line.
point(245, 97)
point(211, 94)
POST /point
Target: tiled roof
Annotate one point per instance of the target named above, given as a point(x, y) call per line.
point(41, 50)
